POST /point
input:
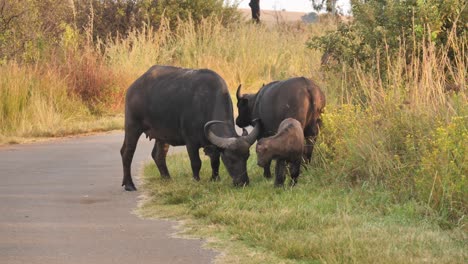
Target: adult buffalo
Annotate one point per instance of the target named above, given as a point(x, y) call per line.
point(177, 106)
point(299, 98)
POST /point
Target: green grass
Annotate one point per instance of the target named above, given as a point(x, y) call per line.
point(70, 127)
point(314, 222)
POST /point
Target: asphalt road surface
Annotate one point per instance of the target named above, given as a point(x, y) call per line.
point(61, 202)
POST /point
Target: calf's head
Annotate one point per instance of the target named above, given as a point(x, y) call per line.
point(264, 152)
point(234, 151)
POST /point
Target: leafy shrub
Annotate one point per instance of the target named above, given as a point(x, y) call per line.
point(411, 154)
point(381, 28)
point(441, 177)
point(29, 28)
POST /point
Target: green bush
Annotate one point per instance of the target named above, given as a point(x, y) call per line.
point(380, 28)
point(412, 155)
point(441, 177)
point(30, 29)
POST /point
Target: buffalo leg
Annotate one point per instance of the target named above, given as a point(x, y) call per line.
point(308, 149)
point(214, 158)
point(132, 134)
point(310, 135)
point(267, 171)
point(159, 156)
point(280, 171)
point(213, 153)
point(195, 161)
point(294, 169)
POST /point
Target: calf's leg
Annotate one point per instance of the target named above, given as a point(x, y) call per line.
point(294, 169)
point(280, 171)
point(310, 135)
point(266, 170)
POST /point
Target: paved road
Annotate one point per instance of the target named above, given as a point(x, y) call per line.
point(61, 202)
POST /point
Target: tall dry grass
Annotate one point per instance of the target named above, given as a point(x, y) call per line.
point(35, 102)
point(92, 78)
point(243, 53)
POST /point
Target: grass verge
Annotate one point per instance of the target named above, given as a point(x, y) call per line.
point(77, 127)
point(314, 222)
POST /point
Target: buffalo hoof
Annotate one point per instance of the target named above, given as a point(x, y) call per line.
point(241, 184)
point(130, 188)
point(267, 175)
point(279, 184)
point(197, 179)
point(215, 178)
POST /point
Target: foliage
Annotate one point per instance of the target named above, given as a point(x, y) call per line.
point(328, 5)
point(441, 177)
point(194, 10)
point(93, 77)
point(30, 28)
point(405, 152)
point(380, 28)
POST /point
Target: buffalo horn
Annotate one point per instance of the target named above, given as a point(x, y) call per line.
point(250, 138)
point(221, 142)
point(238, 93)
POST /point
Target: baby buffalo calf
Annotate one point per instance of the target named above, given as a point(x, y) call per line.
point(285, 147)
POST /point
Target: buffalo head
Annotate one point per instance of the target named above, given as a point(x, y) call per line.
point(264, 154)
point(234, 151)
point(245, 106)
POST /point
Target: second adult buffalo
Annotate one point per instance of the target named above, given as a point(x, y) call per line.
point(299, 98)
point(177, 106)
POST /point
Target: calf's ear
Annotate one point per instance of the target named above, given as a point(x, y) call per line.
point(260, 147)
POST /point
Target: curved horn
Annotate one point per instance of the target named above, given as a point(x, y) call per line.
point(221, 142)
point(250, 138)
point(238, 93)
